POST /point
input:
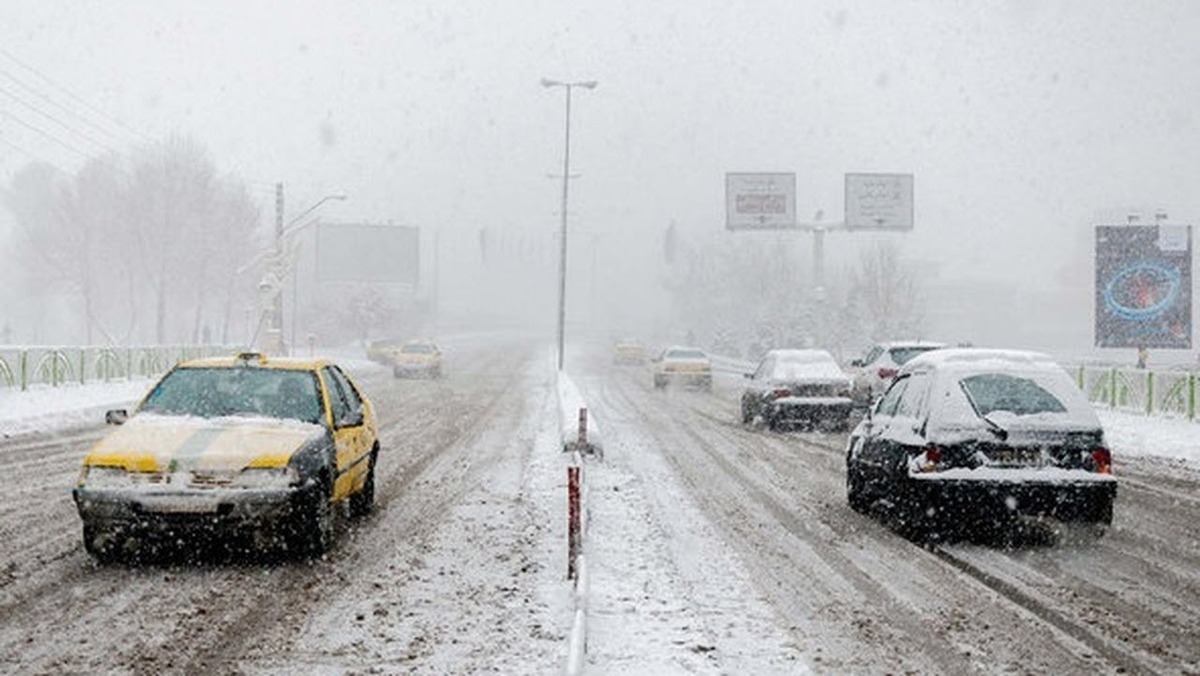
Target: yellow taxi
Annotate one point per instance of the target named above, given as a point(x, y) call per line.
point(629, 352)
point(417, 358)
point(244, 445)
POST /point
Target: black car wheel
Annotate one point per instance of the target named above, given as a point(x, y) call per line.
point(856, 490)
point(747, 414)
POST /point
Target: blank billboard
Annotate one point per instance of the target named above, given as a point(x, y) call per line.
point(355, 252)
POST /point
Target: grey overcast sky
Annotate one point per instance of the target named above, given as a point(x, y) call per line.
point(1021, 121)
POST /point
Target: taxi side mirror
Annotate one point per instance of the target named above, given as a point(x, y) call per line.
point(116, 416)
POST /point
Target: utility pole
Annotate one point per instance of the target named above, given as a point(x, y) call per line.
point(566, 178)
point(276, 330)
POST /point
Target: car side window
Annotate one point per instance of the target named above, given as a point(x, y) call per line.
point(916, 390)
point(764, 368)
point(891, 399)
point(338, 404)
point(352, 397)
point(872, 355)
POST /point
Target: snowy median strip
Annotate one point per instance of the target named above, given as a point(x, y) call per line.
point(580, 435)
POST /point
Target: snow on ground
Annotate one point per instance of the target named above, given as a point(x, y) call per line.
point(638, 596)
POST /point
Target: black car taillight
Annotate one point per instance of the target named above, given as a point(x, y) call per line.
point(886, 373)
point(1102, 459)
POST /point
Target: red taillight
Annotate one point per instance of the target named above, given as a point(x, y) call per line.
point(933, 454)
point(886, 373)
point(780, 393)
point(1102, 459)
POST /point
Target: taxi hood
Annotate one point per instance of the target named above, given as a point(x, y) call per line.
point(160, 443)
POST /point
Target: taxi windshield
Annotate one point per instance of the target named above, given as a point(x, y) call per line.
point(217, 392)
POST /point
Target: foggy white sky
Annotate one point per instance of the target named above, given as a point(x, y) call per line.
point(1020, 120)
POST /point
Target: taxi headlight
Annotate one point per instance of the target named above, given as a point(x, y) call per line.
point(267, 477)
point(104, 477)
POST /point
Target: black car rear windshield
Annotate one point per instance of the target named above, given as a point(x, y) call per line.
point(991, 392)
point(217, 392)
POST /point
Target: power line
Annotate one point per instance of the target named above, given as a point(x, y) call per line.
point(30, 155)
point(57, 121)
point(75, 97)
point(42, 133)
point(56, 104)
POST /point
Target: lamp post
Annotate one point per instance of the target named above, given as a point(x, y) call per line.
point(566, 178)
point(282, 231)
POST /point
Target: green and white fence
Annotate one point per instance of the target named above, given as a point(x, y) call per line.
point(1145, 391)
point(23, 367)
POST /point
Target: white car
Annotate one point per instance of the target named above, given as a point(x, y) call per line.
point(875, 370)
point(682, 365)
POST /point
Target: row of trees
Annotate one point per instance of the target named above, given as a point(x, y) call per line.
point(155, 247)
point(744, 295)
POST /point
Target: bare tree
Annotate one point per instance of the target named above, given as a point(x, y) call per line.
point(164, 238)
point(885, 295)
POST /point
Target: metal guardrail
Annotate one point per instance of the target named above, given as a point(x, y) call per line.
point(22, 367)
point(1140, 390)
point(1146, 391)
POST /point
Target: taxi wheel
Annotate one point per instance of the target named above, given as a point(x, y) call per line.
point(313, 532)
point(94, 542)
point(362, 501)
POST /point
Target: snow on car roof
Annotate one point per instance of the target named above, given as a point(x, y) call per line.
point(980, 358)
point(910, 343)
point(803, 356)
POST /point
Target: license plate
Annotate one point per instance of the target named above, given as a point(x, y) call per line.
point(1017, 457)
point(178, 506)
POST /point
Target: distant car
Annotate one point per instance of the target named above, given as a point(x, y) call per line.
point(968, 440)
point(416, 358)
point(681, 365)
point(628, 352)
point(380, 351)
point(875, 369)
point(232, 446)
point(798, 388)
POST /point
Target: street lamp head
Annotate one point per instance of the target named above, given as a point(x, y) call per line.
point(589, 84)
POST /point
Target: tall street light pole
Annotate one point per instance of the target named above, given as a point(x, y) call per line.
point(566, 179)
point(280, 232)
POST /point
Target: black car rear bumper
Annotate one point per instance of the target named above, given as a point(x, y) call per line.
point(1084, 501)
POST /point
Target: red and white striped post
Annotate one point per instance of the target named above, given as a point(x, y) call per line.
point(573, 520)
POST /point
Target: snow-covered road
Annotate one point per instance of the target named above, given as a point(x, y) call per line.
point(713, 548)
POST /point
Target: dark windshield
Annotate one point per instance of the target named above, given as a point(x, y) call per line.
point(901, 355)
point(216, 392)
point(990, 392)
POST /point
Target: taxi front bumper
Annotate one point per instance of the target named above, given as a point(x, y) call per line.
point(177, 509)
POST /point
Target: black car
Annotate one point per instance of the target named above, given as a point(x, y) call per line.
point(967, 441)
point(798, 388)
